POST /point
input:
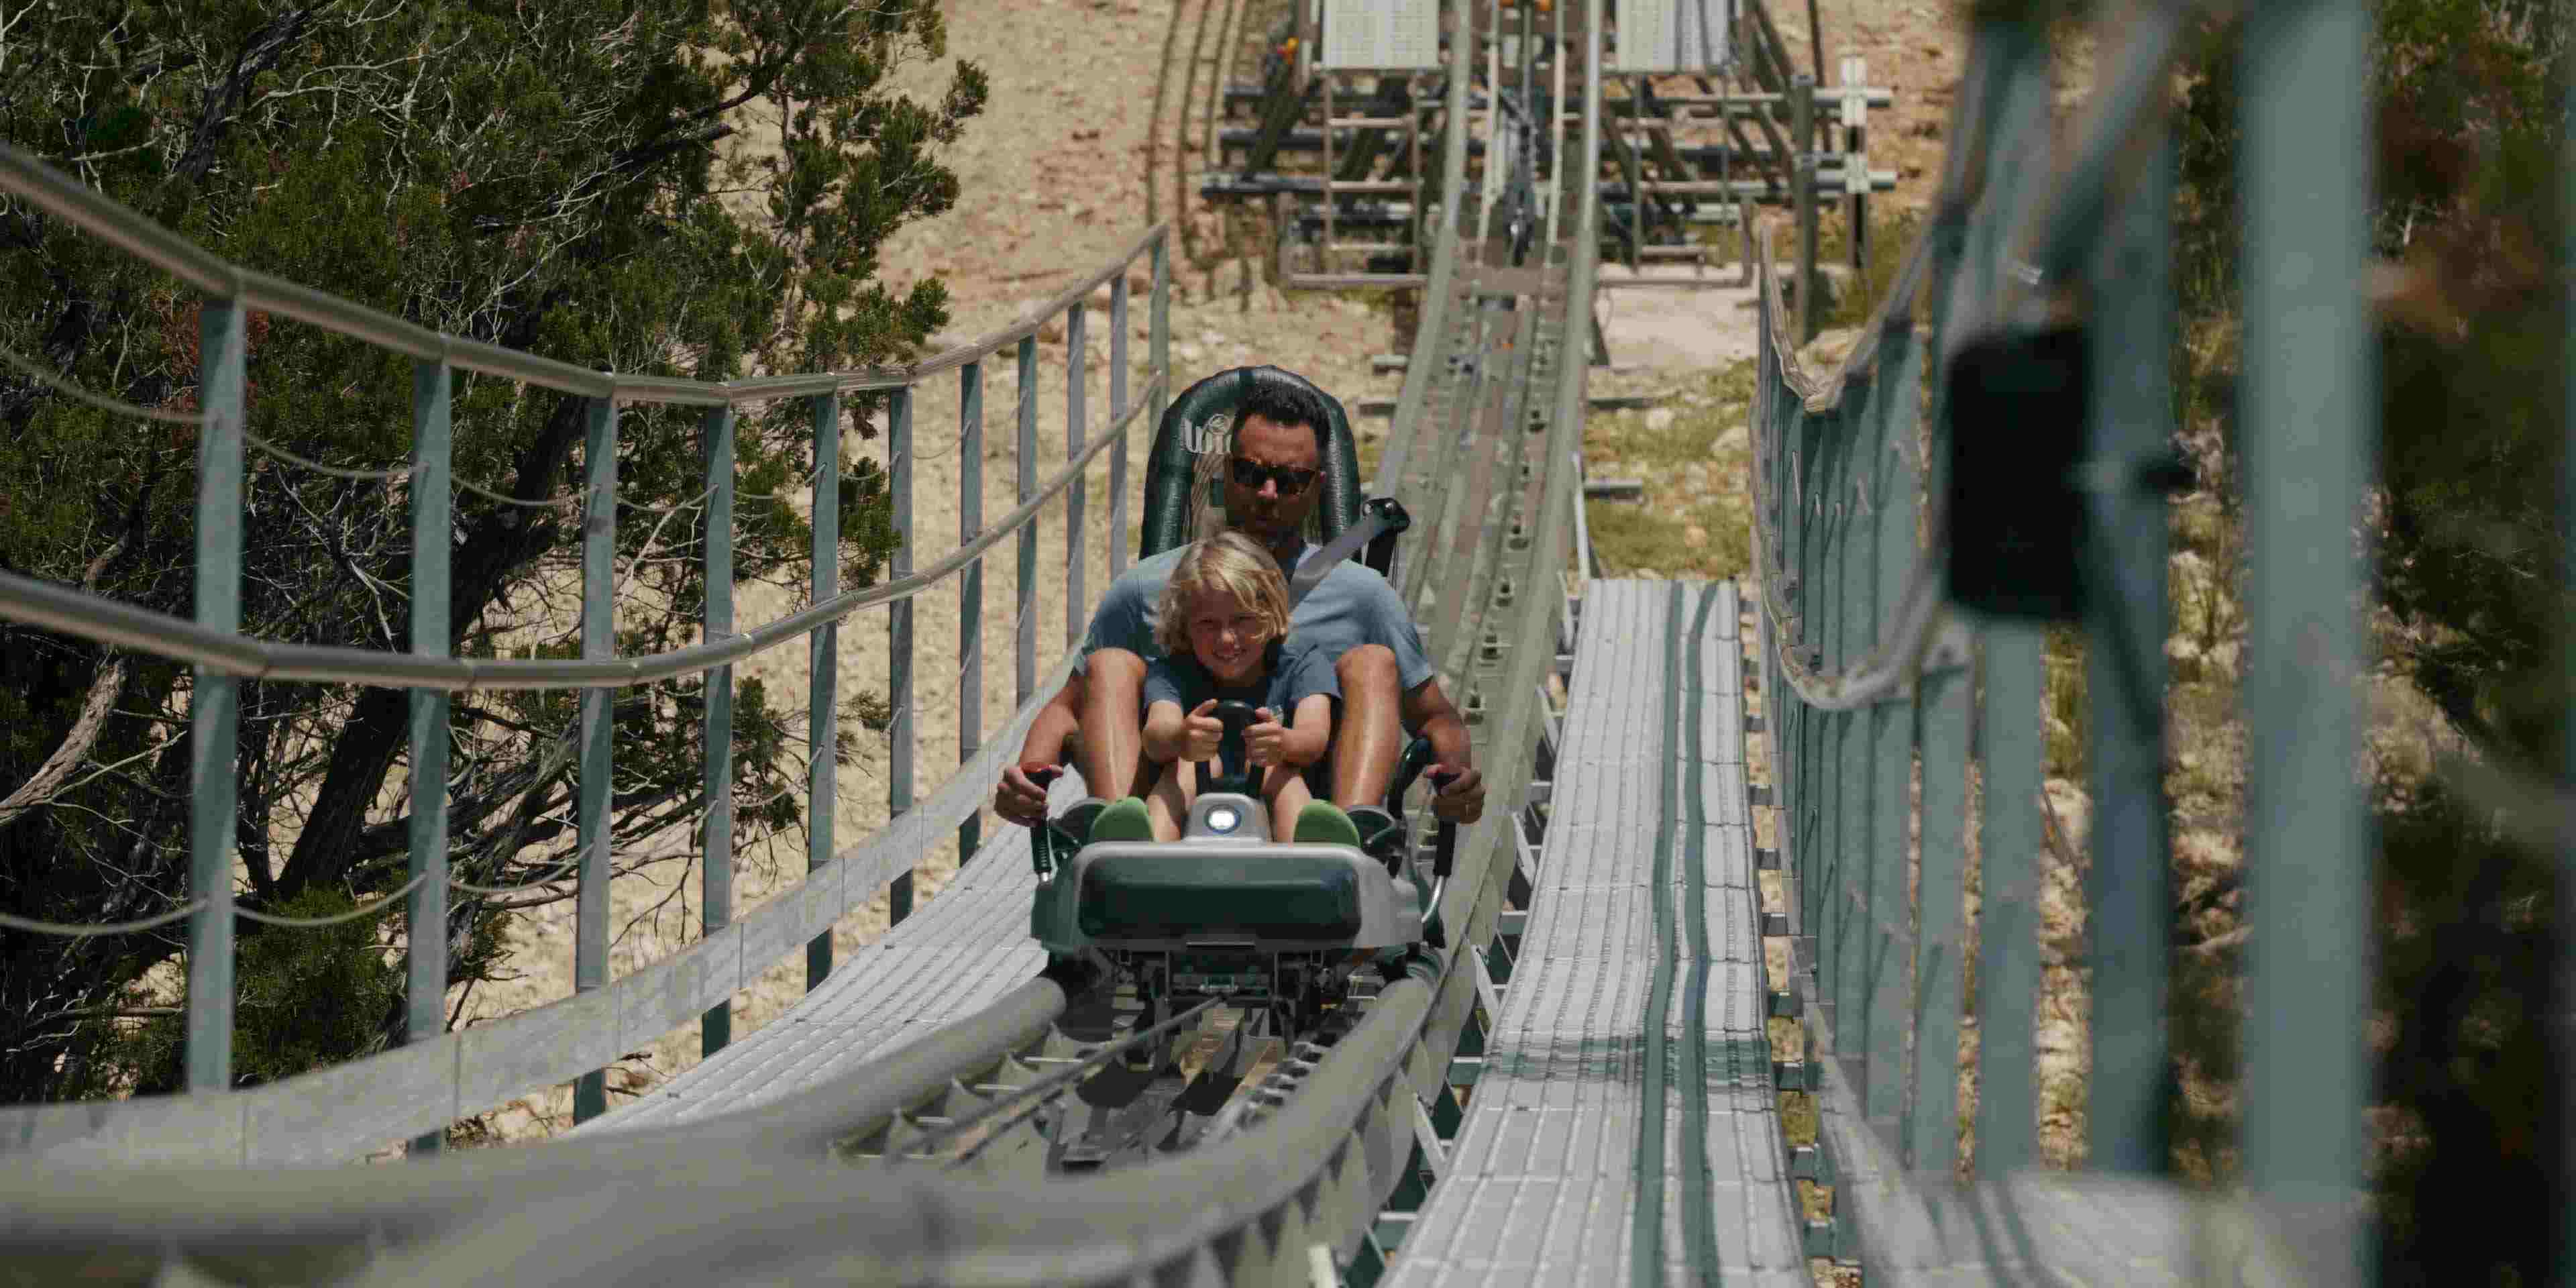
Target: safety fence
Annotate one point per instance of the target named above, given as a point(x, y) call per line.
point(1992, 456)
point(758, 1191)
point(445, 1075)
point(1873, 521)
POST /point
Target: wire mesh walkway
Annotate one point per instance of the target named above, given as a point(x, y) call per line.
point(959, 953)
point(1632, 1025)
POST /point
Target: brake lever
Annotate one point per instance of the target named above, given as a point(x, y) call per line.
point(1047, 839)
point(1445, 840)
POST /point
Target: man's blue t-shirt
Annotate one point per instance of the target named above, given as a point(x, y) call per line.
point(1351, 606)
point(1293, 674)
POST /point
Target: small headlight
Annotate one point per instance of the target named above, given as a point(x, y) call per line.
point(1223, 818)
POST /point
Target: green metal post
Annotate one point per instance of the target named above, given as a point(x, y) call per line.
point(2308, 410)
point(432, 532)
point(970, 588)
point(823, 684)
point(1024, 661)
point(1158, 339)
point(2562, 1207)
point(899, 699)
point(715, 903)
point(2011, 834)
point(1802, 127)
point(1799, 485)
point(1932, 1129)
point(2008, 978)
point(1077, 366)
point(1894, 486)
point(1781, 704)
point(214, 704)
point(2132, 914)
point(2011, 837)
point(598, 730)
point(1863, 927)
point(1118, 413)
point(1855, 143)
point(1815, 644)
point(1631, 167)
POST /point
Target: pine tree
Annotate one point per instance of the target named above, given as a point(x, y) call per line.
point(647, 186)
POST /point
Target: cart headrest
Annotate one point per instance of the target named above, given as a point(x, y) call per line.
point(1183, 486)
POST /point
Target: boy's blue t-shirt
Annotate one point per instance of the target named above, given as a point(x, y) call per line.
point(1292, 674)
point(1352, 606)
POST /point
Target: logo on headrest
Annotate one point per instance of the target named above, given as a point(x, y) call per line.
point(1208, 435)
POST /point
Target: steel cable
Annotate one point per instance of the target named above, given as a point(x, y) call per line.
point(335, 471)
point(72, 930)
point(974, 651)
point(362, 911)
point(62, 385)
point(68, 930)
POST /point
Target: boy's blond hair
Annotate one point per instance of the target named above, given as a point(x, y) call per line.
point(1233, 563)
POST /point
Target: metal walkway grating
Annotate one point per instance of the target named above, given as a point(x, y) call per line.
point(1543, 1184)
point(959, 952)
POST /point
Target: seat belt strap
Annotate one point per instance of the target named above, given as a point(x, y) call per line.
point(1375, 518)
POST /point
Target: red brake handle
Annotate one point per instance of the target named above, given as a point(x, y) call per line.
point(1442, 775)
point(1041, 773)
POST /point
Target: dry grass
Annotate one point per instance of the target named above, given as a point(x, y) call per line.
point(1694, 455)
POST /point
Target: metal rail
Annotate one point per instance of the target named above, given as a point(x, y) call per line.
point(751, 1189)
point(68, 199)
point(63, 608)
point(332, 1112)
point(1867, 680)
point(1861, 679)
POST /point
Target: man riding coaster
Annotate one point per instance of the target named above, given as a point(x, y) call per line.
point(1386, 680)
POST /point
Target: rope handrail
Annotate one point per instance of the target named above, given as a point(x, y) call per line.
point(63, 385)
point(87, 930)
point(1925, 636)
point(67, 198)
point(1912, 820)
point(57, 607)
point(1316, 1162)
point(634, 1006)
point(2067, 216)
point(557, 871)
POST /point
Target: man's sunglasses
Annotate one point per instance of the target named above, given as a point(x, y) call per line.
point(1251, 474)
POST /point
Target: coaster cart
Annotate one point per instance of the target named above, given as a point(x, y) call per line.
point(1274, 930)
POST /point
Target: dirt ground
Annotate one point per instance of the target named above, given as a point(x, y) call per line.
point(1054, 179)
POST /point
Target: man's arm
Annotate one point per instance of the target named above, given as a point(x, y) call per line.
point(1427, 711)
point(1017, 799)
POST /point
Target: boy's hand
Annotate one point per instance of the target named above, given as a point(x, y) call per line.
point(1202, 732)
point(1265, 741)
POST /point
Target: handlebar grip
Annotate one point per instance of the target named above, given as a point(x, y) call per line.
point(1444, 844)
point(1417, 756)
point(1236, 717)
point(1045, 841)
